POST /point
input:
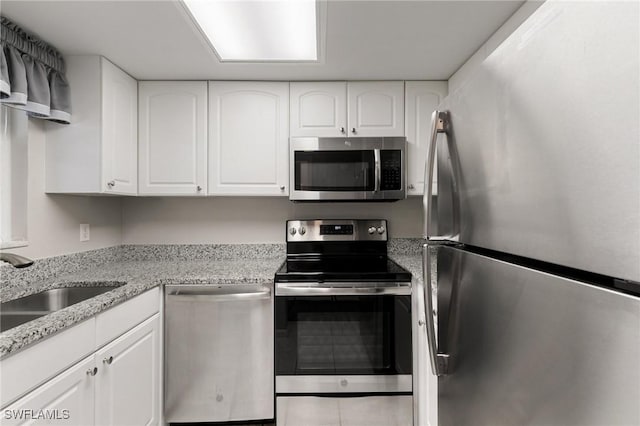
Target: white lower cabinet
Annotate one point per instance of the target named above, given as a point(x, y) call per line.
point(105, 370)
point(117, 385)
point(67, 399)
point(128, 378)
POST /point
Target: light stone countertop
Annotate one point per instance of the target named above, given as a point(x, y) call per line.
point(133, 270)
point(132, 279)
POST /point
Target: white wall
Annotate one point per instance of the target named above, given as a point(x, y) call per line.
point(53, 221)
point(494, 41)
point(248, 220)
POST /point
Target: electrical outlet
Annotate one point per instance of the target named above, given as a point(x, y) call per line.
point(85, 232)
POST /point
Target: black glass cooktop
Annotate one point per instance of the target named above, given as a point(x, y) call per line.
point(341, 268)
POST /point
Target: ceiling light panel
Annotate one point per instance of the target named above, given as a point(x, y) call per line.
point(258, 31)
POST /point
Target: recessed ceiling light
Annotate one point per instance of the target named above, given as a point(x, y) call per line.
point(258, 31)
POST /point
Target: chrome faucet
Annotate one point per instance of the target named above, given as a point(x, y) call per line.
point(15, 260)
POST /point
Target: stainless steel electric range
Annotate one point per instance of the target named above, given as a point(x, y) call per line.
point(343, 318)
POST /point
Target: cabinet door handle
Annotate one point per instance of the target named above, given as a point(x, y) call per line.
point(282, 188)
point(108, 361)
point(199, 188)
point(411, 186)
point(111, 183)
point(92, 371)
point(342, 130)
point(353, 130)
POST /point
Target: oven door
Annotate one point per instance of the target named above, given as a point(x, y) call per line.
point(343, 344)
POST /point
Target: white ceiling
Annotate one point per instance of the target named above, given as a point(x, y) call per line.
point(378, 40)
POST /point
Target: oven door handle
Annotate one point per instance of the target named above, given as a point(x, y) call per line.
point(342, 289)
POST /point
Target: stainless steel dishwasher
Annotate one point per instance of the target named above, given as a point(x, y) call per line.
point(218, 353)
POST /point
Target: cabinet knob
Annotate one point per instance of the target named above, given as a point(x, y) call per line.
point(282, 188)
point(111, 183)
point(353, 130)
point(92, 371)
point(411, 186)
point(199, 188)
point(108, 361)
point(420, 323)
point(344, 382)
point(342, 130)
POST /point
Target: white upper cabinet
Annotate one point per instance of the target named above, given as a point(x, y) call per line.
point(97, 153)
point(375, 108)
point(355, 108)
point(422, 98)
point(119, 130)
point(248, 138)
point(318, 109)
point(172, 138)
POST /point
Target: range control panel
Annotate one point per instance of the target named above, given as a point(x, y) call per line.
point(337, 230)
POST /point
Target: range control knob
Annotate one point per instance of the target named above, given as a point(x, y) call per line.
point(292, 231)
point(302, 230)
point(381, 230)
point(371, 230)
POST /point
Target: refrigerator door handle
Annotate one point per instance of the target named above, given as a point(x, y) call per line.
point(440, 124)
point(439, 361)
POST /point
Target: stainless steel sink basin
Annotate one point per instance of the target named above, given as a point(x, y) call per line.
point(19, 311)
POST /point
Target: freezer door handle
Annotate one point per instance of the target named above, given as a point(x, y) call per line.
point(440, 123)
point(439, 361)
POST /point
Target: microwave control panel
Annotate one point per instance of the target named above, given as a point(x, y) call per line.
point(391, 165)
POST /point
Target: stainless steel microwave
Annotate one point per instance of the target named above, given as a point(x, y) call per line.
point(347, 169)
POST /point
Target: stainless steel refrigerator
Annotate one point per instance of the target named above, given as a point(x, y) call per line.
point(532, 252)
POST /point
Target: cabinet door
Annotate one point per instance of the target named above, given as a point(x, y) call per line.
point(173, 132)
point(128, 380)
point(67, 399)
point(375, 108)
point(318, 109)
point(119, 131)
point(248, 138)
point(422, 98)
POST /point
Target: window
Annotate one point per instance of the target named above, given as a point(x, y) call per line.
point(13, 177)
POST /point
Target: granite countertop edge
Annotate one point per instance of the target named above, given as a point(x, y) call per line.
point(129, 279)
point(132, 278)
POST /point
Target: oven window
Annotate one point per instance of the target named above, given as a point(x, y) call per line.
point(334, 171)
point(343, 335)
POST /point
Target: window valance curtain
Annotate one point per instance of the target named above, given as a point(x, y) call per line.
point(32, 75)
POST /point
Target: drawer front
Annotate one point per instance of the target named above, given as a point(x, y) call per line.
point(34, 365)
point(391, 410)
point(122, 318)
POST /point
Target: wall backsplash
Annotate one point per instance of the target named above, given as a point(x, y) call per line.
point(229, 220)
point(53, 221)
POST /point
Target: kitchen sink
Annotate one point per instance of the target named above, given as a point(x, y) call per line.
point(19, 311)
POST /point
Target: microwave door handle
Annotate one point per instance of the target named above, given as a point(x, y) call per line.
point(378, 171)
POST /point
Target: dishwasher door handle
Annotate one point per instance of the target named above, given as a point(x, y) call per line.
point(220, 296)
